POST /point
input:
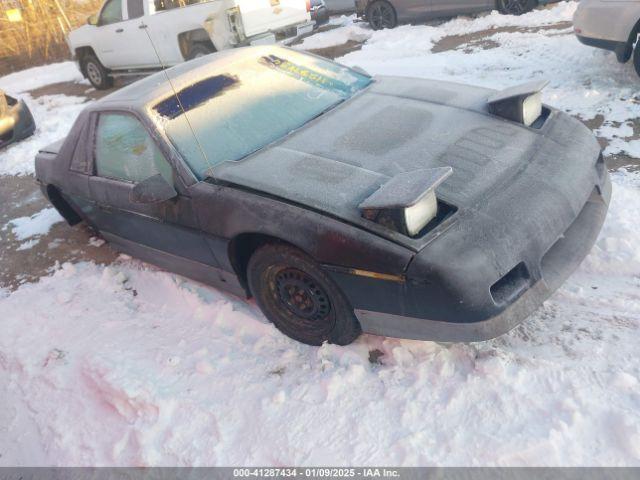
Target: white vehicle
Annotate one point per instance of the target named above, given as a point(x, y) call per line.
point(610, 24)
point(130, 36)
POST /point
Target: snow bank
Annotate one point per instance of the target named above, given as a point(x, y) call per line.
point(127, 365)
point(37, 77)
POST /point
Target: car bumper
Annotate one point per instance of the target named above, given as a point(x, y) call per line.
point(18, 125)
point(622, 50)
point(557, 265)
point(497, 260)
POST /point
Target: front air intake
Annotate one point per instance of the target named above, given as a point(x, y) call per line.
point(509, 287)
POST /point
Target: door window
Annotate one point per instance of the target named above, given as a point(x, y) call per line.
point(111, 12)
point(125, 150)
point(135, 9)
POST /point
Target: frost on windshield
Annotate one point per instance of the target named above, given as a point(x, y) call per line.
point(239, 107)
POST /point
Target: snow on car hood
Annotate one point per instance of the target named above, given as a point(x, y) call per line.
point(397, 125)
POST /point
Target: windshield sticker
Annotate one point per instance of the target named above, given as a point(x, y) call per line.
point(308, 75)
point(195, 95)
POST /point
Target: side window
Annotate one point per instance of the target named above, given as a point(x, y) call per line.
point(111, 12)
point(125, 151)
point(135, 9)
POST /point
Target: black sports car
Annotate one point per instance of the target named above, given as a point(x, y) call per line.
point(342, 203)
point(16, 121)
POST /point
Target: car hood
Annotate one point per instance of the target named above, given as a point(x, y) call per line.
point(398, 125)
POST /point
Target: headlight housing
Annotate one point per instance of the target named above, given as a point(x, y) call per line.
point(522, 103)
point(407, 203)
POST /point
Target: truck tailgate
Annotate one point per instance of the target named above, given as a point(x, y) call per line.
point(260, 16)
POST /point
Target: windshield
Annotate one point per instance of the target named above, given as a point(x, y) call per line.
point(251, 102)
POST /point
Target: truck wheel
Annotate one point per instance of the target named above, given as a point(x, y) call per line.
point(636, 58)
point(381, 14)
point(516, 7)
point(298, 296)
point(96, 73)
point(199, 50)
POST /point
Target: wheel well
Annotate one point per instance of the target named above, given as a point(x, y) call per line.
point(187, 39)
point(61, 205)
point(633, 36)
point(82, 52)
point(242, 247)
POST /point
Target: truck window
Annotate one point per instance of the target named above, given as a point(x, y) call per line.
point(135, 9)
point(161, 5)
point(111, 12)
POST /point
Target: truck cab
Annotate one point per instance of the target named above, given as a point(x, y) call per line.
point(131, 36)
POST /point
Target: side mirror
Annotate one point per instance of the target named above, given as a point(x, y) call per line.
point(92, 20)
point(152, 190)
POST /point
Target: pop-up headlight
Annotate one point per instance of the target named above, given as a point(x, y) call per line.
point(407, 202)
point(522, 103)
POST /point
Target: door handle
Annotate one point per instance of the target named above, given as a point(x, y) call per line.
point(120, 30)
point(142, 26)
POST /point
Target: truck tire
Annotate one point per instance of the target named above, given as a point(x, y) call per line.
point(95, 72)
point(199, 50)
point(516, 7)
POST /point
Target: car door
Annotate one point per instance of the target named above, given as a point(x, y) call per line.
point(124, 154)
point(409, 10)
point(119, 41)
point(456, 7)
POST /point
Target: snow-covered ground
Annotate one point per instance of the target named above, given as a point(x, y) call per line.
point(128, 365)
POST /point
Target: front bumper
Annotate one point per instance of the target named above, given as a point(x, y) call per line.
point(556, 265)
point(503, 253)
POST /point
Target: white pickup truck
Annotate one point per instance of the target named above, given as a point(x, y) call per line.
point(131, 36)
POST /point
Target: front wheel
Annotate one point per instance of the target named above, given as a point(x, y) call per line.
point(381, 14)
point(298, 296)
point(516, 7)
point(96, 73)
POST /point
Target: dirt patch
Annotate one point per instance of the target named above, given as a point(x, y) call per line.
point(338, 50)
point(62, 243)
point(69, 88)
point(471, 41)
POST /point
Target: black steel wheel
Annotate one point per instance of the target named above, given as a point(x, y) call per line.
point(298, 296)
point(381, 14)
point(95, 72)
point(516, 7)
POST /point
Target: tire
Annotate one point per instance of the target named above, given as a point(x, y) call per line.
point(199, 50)
point(636, 58)
point(299, 298)
point(381, 14)
point(96, 73)
point(516, 7)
